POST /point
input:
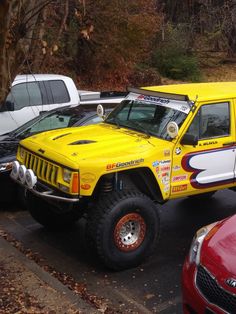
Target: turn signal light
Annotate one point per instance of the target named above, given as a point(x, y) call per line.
point(75, 183)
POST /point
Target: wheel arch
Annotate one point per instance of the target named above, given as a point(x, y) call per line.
point(141, 179)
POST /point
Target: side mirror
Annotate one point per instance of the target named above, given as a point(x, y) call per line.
point(101, 111)
point(7, 106)
point(172, 129)
point(189, 139)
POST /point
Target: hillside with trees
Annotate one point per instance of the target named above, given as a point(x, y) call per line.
point(111, 44)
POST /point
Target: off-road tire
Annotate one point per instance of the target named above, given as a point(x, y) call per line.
point(108, 226)
point(21, 197)
point(45, 213)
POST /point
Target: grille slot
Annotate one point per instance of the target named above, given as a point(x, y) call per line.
point(43, 169)
point(215, 294)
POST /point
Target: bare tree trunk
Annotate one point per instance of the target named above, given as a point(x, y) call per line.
point(5, 76)
point(17, 21)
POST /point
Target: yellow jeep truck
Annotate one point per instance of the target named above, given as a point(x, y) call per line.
point(160, 143)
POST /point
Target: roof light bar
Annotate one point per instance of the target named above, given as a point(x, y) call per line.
point(147, 92)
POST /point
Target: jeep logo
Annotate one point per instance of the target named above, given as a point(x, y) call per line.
point(231, 282)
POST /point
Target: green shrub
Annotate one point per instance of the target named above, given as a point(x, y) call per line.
point(175, 64)
point(171, 56)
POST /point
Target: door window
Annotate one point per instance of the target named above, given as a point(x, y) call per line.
point(211, 121)
point(24, 95)
point(59, 91)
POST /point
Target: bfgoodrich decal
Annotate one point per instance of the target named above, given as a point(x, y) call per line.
point(118, 165)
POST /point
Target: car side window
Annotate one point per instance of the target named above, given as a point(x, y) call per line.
point(24, 95)
point(55, 121)
point(211, 121)
point(59, 91)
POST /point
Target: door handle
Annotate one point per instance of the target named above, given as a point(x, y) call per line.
point(229, 144)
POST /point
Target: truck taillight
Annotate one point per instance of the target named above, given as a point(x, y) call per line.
point(75, 183)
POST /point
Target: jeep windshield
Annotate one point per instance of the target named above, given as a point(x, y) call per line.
point(149, 115)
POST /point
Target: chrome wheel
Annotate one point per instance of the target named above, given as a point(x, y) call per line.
point(130, 232)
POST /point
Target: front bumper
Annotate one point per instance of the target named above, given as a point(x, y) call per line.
point(45, 192)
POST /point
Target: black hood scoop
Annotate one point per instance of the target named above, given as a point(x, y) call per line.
point(60, 136)
point(82, 142)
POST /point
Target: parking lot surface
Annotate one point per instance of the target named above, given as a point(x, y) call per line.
point(154, 286)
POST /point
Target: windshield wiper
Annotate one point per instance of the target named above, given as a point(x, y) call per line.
point(139, 127)
point(115, 121)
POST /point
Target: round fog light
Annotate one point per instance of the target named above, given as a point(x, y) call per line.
point(30, 178)
point(22, 171)
point(15, 169)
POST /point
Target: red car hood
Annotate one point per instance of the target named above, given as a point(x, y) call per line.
point(219, 247)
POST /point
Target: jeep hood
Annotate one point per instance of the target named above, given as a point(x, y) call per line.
point(93, 142)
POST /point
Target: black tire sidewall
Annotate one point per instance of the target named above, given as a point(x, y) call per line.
point(114, 257)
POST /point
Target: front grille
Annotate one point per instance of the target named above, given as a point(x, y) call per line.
point(43, 169)
point(215, 294)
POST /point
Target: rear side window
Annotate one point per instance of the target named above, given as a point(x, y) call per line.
point(24, 95)
point(58, 91)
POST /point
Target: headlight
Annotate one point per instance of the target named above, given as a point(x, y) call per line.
point(195, 249)
point(21, 152)
point(67, 175)
point(5, 166)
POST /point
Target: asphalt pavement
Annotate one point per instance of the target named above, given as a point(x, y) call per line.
point(62, 259)
point(26, 287)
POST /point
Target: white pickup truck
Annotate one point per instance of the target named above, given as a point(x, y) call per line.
point(31, 94)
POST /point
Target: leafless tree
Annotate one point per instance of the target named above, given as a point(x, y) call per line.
point(18, 20)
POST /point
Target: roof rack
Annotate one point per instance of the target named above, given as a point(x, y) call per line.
point(147, 92)
point(87, 95)
point(113, 94)
point(90, 95)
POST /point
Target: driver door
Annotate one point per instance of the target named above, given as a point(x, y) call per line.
point(210, 164)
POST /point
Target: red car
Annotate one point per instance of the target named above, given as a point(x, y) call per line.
point(209, 272)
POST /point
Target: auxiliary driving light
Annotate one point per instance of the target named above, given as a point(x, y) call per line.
point(15, 169)
point(30, 178)
point(22, 171)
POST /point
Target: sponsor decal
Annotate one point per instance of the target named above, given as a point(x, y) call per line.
point(165, 174)
point(165, 168)
point(176, 168)
point(178, 150)
point(209, 168)
point(184, 108)
point(179, 188)
point(169, 103)
point(125, 164)
point(164, 162)
point(208, 143)
point(165, 178)
point(165, 181)
point(155, 163)
point(157, 169)
point(179, 178)
point(166, 188)
point(153, 99)
point(85, 186)
point(167, 153)
point(88, 177)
